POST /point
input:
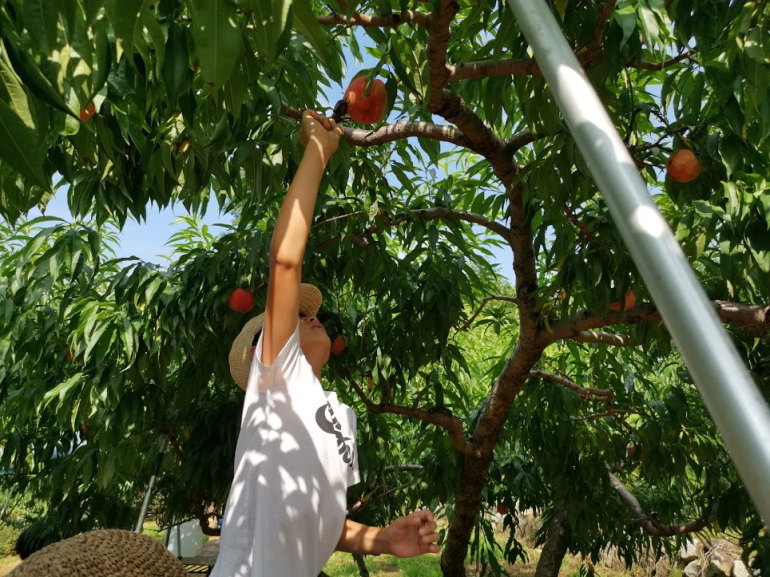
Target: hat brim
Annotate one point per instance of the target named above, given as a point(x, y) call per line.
point(310, 300)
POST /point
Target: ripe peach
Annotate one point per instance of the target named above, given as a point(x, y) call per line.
point(629, 300)
point(366, 108)
point(684, 166)
point(241, 300)
point(338, 345)
point(87, 112)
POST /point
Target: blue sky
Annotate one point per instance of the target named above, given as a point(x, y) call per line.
point(147, 240)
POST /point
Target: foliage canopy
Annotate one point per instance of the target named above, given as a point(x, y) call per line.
point(536, 396)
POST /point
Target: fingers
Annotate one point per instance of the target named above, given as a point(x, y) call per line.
point(329, 124)
point(427, 528)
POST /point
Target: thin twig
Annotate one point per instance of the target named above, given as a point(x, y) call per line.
point(484, 302)
point(650, 524)
point(608, 413)
point(634, 63)
point(339, 217)
point(601, 395)
point(426, 214)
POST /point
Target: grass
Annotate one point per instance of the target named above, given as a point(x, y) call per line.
point(343, 565)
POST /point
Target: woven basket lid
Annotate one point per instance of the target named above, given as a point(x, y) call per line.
point(102, 553)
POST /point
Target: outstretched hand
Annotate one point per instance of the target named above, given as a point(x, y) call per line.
point(412, 535)
point(317, 131)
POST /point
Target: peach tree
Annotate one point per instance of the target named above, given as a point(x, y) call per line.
point(555, 393)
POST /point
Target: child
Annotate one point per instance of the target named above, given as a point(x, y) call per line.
point(296, 452)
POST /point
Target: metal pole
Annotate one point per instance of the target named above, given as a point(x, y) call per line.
point(731, 396)
point(151, 485)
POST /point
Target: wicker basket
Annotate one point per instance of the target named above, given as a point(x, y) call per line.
point(103, 553)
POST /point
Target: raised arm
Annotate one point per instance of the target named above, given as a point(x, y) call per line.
point(320, 136)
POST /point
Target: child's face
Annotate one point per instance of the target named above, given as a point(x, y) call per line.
point(314, 341)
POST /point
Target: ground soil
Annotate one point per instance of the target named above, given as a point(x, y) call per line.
point(7, 565)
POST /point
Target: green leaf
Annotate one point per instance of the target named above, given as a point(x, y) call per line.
point(104, 58)
point(306, 22)
point(176, 64)
point(128, 337)
point(106, 469)
point(20, 148)
point(62, 389)
point(649, 22)
point(217, 38)
point(126, 17)
point(400, 69)
point(561, 8)
point(625, 16)
point(30, 74)
point(40, 20)
point(12, 90)
point(730, 153)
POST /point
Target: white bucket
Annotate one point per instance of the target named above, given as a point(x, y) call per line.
point(185, 539)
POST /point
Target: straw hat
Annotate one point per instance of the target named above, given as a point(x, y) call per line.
point(310, 300)
point(102, 553)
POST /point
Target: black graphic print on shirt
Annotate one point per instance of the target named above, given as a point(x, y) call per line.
point(328, 423)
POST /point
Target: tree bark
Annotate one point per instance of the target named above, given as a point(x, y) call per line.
point(474, 470)
point(555, 548)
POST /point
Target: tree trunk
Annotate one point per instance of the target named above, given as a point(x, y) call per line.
point(466, 507)
point(555, 548)
point(474, 473)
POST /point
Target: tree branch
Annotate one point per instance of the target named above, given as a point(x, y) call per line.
point(660, 65)
point(744, 315)
point(513, 66)
point(520, 140)
point(754, 319)
point(442, 418)
point(608, 413)
point(480, 139)
point(370, 497)
point(400, 130)
point(478, 136)
point(577, 223)
point(602, 338)
point(529, 67)
point(600, 395)
point(649, 524)
point(601, 23)
point(484, 302)
point(467, 216)
point(290, 111)
point(391, 132)
point(438, 40)
point(484, 68)
point(384, 21)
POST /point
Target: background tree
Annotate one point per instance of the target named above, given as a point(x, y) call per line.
point(122, 105)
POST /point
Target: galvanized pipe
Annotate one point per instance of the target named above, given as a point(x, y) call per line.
point(151, 485)
point(730, 394)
